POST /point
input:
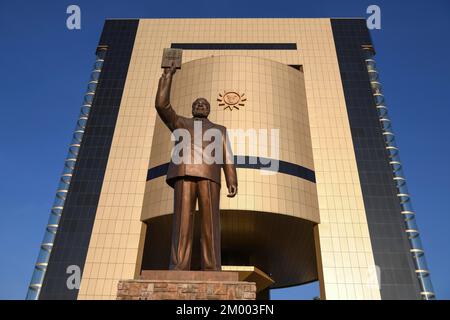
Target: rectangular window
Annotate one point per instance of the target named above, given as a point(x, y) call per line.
point(234, 46)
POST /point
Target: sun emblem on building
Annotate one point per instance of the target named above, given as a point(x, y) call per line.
point(231, 100)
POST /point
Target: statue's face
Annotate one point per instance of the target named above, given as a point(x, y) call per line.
point(200, 108)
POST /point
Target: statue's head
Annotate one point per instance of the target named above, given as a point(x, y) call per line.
point(200, 108)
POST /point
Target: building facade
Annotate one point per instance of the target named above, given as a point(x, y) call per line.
point(335, 210)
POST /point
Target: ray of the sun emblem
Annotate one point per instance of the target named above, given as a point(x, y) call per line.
point(231, 100)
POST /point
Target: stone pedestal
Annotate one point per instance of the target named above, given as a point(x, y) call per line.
point(186, 285)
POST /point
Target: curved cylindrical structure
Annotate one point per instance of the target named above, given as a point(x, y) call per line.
point(403, 195)
point(269, 224)
point(40, 269)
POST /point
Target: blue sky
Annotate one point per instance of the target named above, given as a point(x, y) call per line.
point(45, 68)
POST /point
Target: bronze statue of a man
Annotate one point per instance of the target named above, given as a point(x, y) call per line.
point(194, 180)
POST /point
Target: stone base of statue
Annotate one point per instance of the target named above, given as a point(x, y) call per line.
point(186, 285)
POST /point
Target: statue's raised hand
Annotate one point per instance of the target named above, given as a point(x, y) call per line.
point(170, 71)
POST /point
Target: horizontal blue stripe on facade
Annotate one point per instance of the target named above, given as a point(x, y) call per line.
point(247, 162)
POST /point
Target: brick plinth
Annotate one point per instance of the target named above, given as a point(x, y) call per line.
point(179, 289)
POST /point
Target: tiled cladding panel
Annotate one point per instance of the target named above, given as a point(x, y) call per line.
point(387, 233)
point(75, 228)
point(346, 255)
point(275, 99)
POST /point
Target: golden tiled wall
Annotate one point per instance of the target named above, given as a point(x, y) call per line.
point(116, 244)
point(271, 103)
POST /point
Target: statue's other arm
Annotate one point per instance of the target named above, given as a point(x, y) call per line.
point(162, 102)
point(228, 167)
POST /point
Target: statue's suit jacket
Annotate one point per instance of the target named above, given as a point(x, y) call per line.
point(206, 169)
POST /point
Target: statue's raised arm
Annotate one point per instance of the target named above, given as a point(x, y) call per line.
point(162, 101)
